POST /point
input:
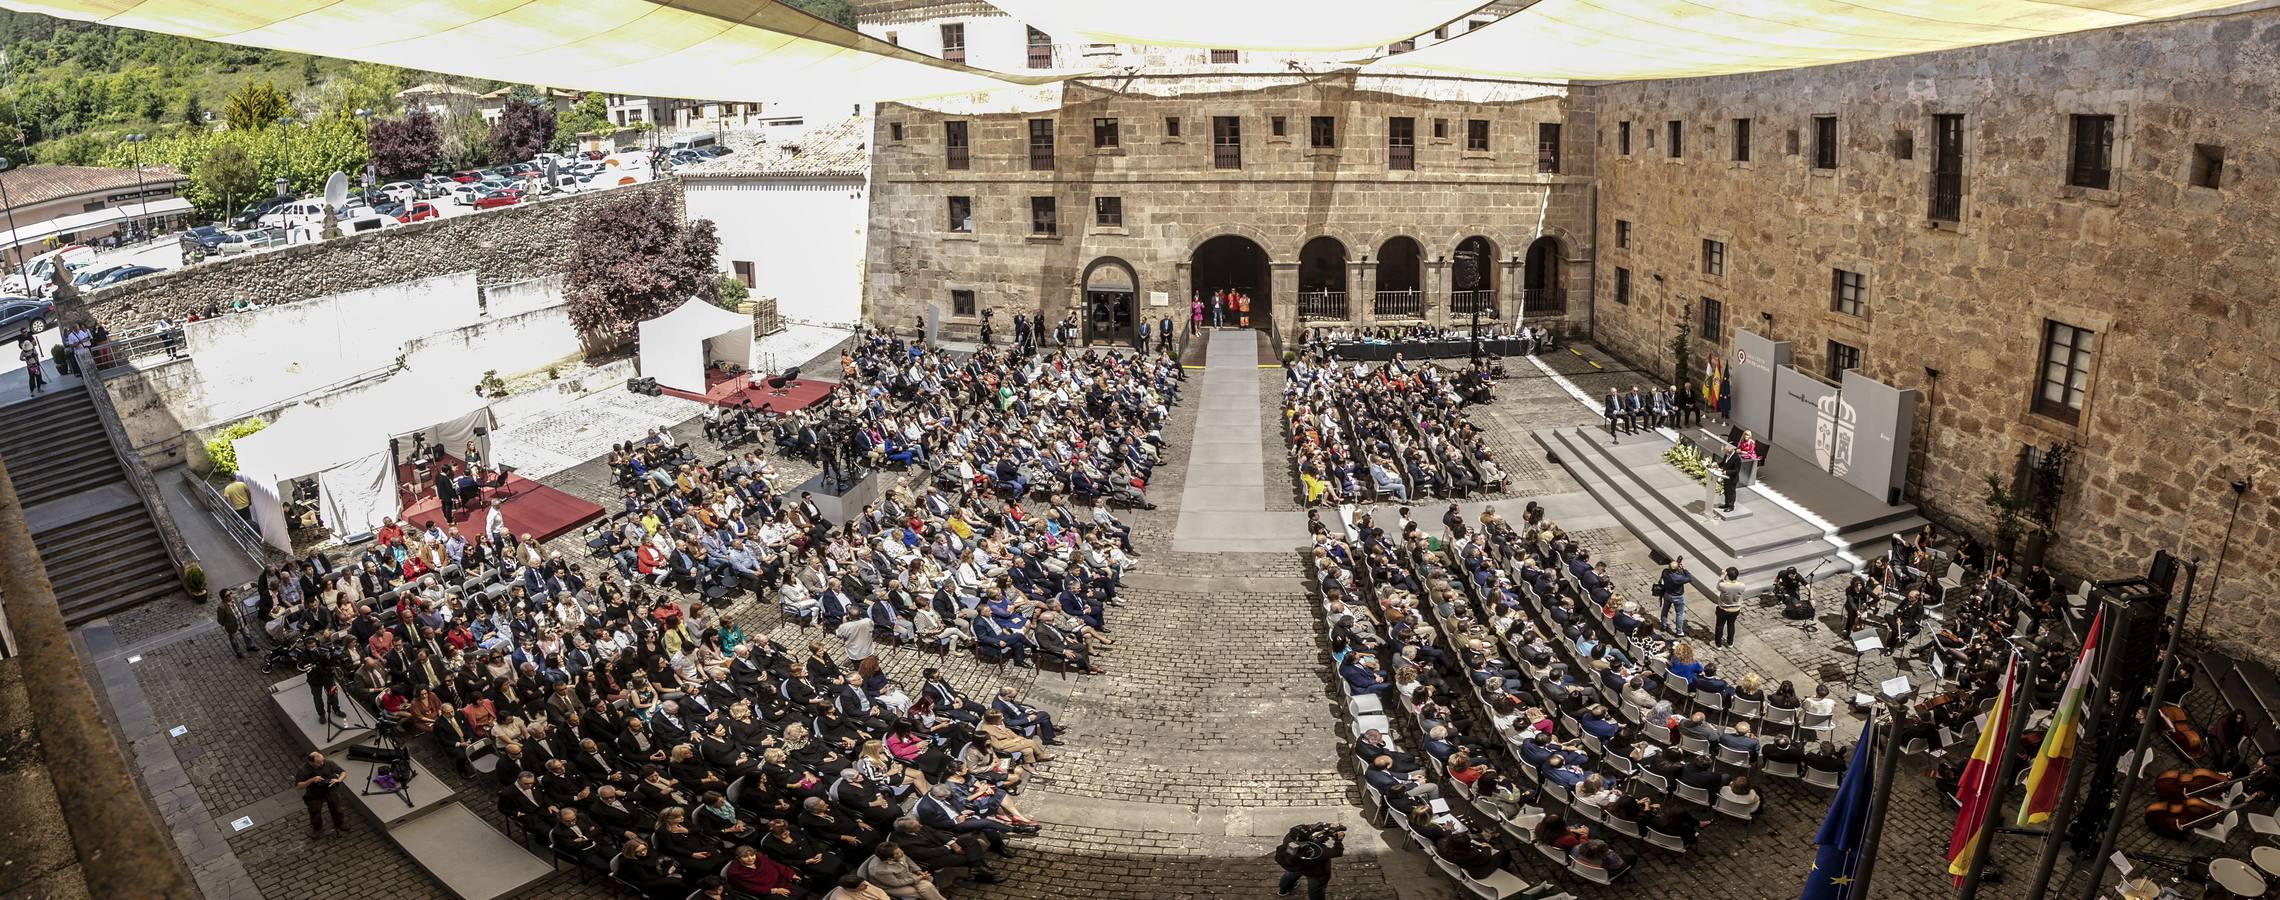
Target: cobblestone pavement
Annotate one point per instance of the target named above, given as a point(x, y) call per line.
point(1212, 732)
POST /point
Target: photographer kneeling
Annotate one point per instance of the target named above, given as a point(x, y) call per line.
point(1306, 852)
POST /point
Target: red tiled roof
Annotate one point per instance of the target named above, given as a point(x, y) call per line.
point(33, 185)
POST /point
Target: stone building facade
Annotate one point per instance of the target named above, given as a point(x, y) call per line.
point(1363, 199)
point(2067, 240)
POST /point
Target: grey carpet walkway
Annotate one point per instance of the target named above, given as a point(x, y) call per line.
point(1223, 508)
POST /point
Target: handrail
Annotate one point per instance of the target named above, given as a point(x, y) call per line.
point(240, 533)
point(128, 853)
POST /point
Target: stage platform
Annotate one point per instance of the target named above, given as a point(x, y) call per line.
point(1796, 515)
point(297, 711)
point(472, 859)
point(527, 506)
point(749, 387)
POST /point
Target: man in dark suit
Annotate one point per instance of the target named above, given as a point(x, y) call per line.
point(949, 702)
point(1022, 717)
point(1730, 476)
point(1634, 409)
point(453, 736)
point(578, 837)
point(446, 490)
point(1612, 408)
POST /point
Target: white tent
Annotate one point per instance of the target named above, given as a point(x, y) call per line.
point(677, 346)
point(344, 442)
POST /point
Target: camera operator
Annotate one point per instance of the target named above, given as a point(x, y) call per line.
point(319, 781)
point(1306, 852)
point(324, 677)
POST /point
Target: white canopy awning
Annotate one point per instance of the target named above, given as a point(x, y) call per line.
point(344, 441)
point(676, 347)
point(1304, 25)
point(132, 209)
point(1647, 39)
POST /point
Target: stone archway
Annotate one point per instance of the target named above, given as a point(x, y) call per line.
point(1543, 280)
point(1111, 301)
point(1236, 264)
point(1400, 279)
point(1472, 277)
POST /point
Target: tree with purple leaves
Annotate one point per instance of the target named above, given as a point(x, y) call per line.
point(522, 131)
point(404, 147)
point(636, 259)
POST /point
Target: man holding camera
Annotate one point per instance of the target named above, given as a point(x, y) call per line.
point(324, 679)
point(1306, 853)
point(319, 778)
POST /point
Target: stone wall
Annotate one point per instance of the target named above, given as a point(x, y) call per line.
point(2176, 280)
point(1174, 198)
point(502, 245)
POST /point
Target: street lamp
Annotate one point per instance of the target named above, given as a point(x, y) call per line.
point(15, 238)
point(285, 181)
point(134, 145)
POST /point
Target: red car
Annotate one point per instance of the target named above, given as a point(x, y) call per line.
point(420, 212)
point(494, 199)
point(466, 176)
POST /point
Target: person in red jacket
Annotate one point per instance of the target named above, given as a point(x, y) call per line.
point(759, 876)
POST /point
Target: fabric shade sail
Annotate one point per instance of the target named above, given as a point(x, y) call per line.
point(344, 443)
point(677, 346)
point(696, 49)
point(1303, 25)
point(1645, 39)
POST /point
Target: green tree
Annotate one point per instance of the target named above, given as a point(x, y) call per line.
point(839, 11)
point(193, 112)
point(226, 177)
point(255, 104)
point(309, 74)
point(591, 115)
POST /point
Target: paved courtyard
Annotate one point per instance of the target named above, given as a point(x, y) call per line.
point(1213, 731)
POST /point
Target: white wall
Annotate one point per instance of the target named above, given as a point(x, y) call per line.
point(803, 236)
point(253, 359)
point(509, 345)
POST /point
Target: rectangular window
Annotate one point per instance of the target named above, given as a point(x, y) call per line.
point(1040, 50)
point(1741, 140)
point(1041, 145)
point(1441, 33)
point(1322, 131)
point(1275, 126)
point(1947, 167)
point(1108, 212)
point(1713, 257)
point(894, 131)
point(955, 152)
point(1622, 138)
point(1472, 25)
point(2065, 371)
point(1044, 217)
point(1171, 126)
point(1222, 57)
point(1713, 319)
point(962, 303)
point(1226, 142)
point(1622, 233)
point(744, 273)
point(1401, 143)
point(962, 215)
point(1824, 142)
point(1848, 292)
point(1622, 285)
point(2092, 163)
point(1842, 357)
point(1476, 135)
point(1440, 129)
point(2208, 166)
point(1104, 133)
point(954, 42)
point(1548, 147)
point(1676, 137)
point(1903, 144)
point(1400, 47)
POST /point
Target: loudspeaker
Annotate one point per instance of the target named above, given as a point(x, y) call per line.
point(644, 386)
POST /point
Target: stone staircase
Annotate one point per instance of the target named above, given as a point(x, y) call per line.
point(102, 551)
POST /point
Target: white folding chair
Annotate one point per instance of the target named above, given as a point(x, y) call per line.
point(1728, 756)
point(1670, 842)
point(1780, 769)
point(1779, 715)
point(1746, 709)
point(1711, 702)
point(1588, 811)
point(1590, 873)
point(1555, 854)
point(1498, 885)
point(1691, 794)
point(1622, 826)
point(1556, 792)
point(1733, 809)
point(1694, 744)
point(1660, 784)
point(1823, 778)
point(1656, 732)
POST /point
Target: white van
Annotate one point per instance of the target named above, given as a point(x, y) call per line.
point(294, 213)
point(35, 277)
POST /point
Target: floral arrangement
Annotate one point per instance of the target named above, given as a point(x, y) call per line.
point(1691, 460)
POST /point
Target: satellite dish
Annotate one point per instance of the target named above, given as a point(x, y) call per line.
point(336, 190)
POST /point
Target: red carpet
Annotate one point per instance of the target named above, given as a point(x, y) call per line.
point(725, 390)
point(527, 506)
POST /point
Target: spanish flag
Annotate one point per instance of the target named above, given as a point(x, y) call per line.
point(1977, 786)
point(2048, 776)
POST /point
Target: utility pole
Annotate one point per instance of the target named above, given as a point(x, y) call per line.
point(1887, 766)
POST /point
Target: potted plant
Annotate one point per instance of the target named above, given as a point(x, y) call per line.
point(2012, 518)
point(194, 581)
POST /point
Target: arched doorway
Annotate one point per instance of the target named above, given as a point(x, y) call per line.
point(1472, 278)
point(1111, 301)
point(1543, 283)
point(1233, 263)
point(1322, 280)
point(1401, 279)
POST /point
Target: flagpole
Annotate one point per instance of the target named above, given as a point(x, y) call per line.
point(2102, 682)
point(1887, 765)
point(2097, 864)
point(2006, 768)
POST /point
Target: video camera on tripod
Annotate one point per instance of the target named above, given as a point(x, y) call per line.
point(391, 771)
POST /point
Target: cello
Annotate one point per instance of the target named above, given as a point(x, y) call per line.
point(2180, 808)
point(2180, 731)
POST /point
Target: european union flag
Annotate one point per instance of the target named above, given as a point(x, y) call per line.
point(1839, 837)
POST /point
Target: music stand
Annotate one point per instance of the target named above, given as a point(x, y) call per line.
point(1864, 642)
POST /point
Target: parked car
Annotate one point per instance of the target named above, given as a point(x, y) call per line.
point(399, 191)
point(466, 194)
point(25, 316)
point(33, 277)
point(200, 239)
point(293, 213)
point(87, 276)
point(251, 216)
point(368, 223)
point(465, 176)
point(123, 273)
point(389, 207)
point(251, 240)
point(498, 198)
point(421, 212)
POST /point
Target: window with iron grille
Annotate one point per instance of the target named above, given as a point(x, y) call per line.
point(1401, 143)
point(1476, 134)
point(1044, 217)
point(1675, 127)
point(1713, 257)
point(1040, 145)
point(2065, 375)
point(1848, 292)
point(1622, 285)
point(1622, 233)
point(1104, 133)
point(962, 303)
point(1713, 319)
point(1947, 167)
point(1548, 147)
point(1227, 142)
point(1040, 50)
point(1741, 140)
point(1108, 212)
point(956, 154)
point(954, 42)
point(962, 215)
point(1842, 358)
point(1824, 142)
point(2092, 163)
point(1222, 57)
point(1622, 138)
point(1323, 131)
